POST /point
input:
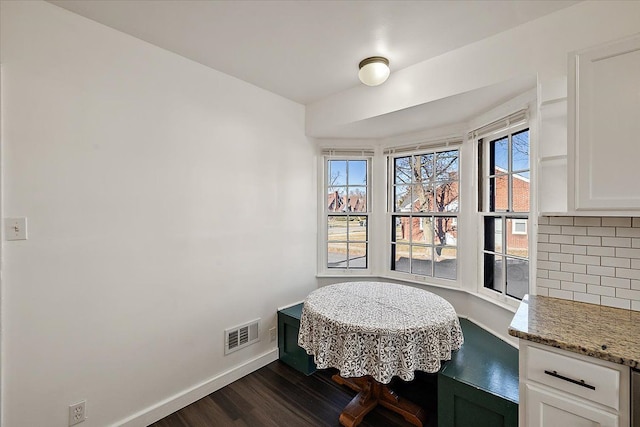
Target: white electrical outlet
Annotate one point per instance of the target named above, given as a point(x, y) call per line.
point(77, 413)
point(272, 334)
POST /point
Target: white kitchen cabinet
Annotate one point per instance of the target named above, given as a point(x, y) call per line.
point(561, 389)
point(604, 128)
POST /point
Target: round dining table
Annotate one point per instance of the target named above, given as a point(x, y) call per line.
point(374, 331)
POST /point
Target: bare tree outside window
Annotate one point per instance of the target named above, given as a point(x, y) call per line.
point(426, 196)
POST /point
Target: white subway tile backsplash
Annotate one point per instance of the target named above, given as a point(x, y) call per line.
point(557, 293)
point(561, 257)
point(586, 259)
point(627, 232)
point(600, 251)
point(627, 253)
point(590, 259)
point(616, 222)
point(618, 242)
point(589, 221)
point(574, 231)
point(601, 271)
point(586, 278)
point(615, 302)
point(549, 265)
point(548, 283)
point(572, 286)
point(549, 229)
point(561, 220)
point(561, 275)
point(549, 247)
point(543, 291)
point(615, 262)
point(628, 294)
point(573, 268)
point(601, 290)
point(587, 240)
point(601, 231)
point(573, 249)
point(628, 273)
point(561, 238)
point(589, 298)
point(615, 282)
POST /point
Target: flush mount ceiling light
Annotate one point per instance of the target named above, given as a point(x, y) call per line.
point(374, 70)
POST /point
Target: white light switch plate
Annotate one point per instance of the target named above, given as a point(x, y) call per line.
point(15, 228)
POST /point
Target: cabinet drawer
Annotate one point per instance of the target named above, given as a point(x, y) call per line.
point(588, 380)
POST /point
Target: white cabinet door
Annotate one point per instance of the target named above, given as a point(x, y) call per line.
point(548, 409)
point(605, 127)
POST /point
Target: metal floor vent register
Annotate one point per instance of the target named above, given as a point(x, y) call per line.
point(241, 336)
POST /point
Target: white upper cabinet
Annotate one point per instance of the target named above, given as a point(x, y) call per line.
point(604, 128)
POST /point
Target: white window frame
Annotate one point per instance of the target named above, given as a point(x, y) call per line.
point(484, 202)
point(427, 148)
point(323, 240)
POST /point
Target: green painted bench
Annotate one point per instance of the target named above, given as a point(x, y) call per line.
point(289, 351)
point(479, 386)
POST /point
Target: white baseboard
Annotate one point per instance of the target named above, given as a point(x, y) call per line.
point(186, 397)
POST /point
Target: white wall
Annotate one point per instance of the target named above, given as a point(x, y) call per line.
point(165, 201)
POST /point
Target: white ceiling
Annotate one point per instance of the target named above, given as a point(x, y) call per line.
point(308, 50)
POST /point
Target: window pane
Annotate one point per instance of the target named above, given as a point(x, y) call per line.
point(402, 198)
point(446, 265)
point(337, 228)
point(517, 244)
point(422, 229)
point(337, 172)
point(519, 193)
point(402, 174)
point(444, 231)
point(493, 234)
point(357, 172)
point(499, 156)
point(499, 193)
point(517, 277)
point(447, 167)
point(426, 167)
point(400, 258)
point(446, 197)
point(357, 255)
point(357, 228)
point(336, 199)
point(357, 199)
point(421, 260)
point(402, 229)
point(337, 255)
point(520, 150)
point(493, 272)
point(422, 198)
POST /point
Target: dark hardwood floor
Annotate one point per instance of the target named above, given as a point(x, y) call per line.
point(279, 396)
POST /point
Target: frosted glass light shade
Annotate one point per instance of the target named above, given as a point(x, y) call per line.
point(374, 71)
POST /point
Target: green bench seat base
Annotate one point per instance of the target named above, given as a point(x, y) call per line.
point(478, 387)
point(289, 350)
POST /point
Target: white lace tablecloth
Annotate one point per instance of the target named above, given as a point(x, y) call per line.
point(378, 329)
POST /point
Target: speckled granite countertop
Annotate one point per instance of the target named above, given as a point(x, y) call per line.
point(611, 334)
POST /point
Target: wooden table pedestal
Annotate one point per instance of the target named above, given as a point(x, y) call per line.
point(372, 393)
